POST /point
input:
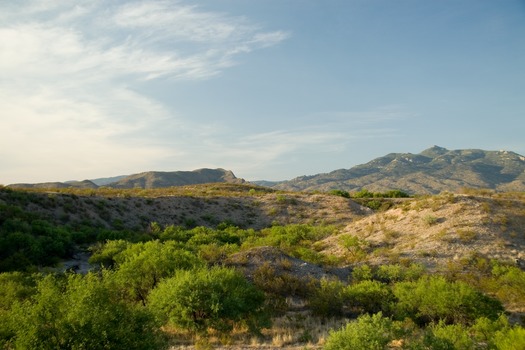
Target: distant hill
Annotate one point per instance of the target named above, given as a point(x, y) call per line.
point(147, 180)
point(68, 184)
point(432, 171)
point(157, 179)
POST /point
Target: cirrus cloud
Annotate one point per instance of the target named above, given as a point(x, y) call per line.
point(70, 78)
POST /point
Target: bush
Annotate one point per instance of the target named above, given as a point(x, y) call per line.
point(432, 299)
point(443, 336)
point(328, 299)
point(340, 193)
point(368, 332)
point(510, 339)
point(362, 273)
point(218, 298)
point(77, 312)
point(369, 296)
point(141, 266)
point(508, 284)
point(279, 285)
point(397, 273)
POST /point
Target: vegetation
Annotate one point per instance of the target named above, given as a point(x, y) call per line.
point(162, 285)
point(218, 298)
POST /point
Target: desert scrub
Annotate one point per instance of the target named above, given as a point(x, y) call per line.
point(442, 235)
point(433, 299)
point(327, 300)
point(466, 236)
point(355, 247)
point(285, 200)
point(391, 235)
point(368, 332)
point(430, 220)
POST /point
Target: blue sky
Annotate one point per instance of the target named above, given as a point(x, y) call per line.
point(270, 89)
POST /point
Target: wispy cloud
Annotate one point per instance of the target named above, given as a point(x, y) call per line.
point(69, 72)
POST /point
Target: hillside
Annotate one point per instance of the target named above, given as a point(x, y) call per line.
point(244, 205)
point(439, 230)
point(432, 230)
point(432, 171)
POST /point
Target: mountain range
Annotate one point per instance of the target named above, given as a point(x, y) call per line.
point(432, 171)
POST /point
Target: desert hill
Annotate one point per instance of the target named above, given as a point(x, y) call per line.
point(158, 179)
point(432, 171)
point(431, 229)
point(438, 230)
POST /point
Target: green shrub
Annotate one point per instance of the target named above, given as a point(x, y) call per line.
point(369, 297)
point(396, 273)
point(218, 298)
point(328, 298)
point(508, 284)
point(390, 273)
point(279, 285)
point(16, 286)
point(143, 265)
point(81, 312)
point(432, 299)
point(364, 193)
point(362, 273)
point(452, 336)
point(368, 332)
point(105, 254)
point(340, 193)
point(510, 339)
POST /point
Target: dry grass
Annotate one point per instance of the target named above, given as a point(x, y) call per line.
point(295, 330)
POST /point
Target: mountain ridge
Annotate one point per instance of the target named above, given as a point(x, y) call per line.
point(431, 171)
point(146, 180)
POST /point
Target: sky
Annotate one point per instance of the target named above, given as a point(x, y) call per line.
point(269, 89)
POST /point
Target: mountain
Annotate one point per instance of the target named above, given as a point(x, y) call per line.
point(432, 171)
point(156, 179)
point(150, 179)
